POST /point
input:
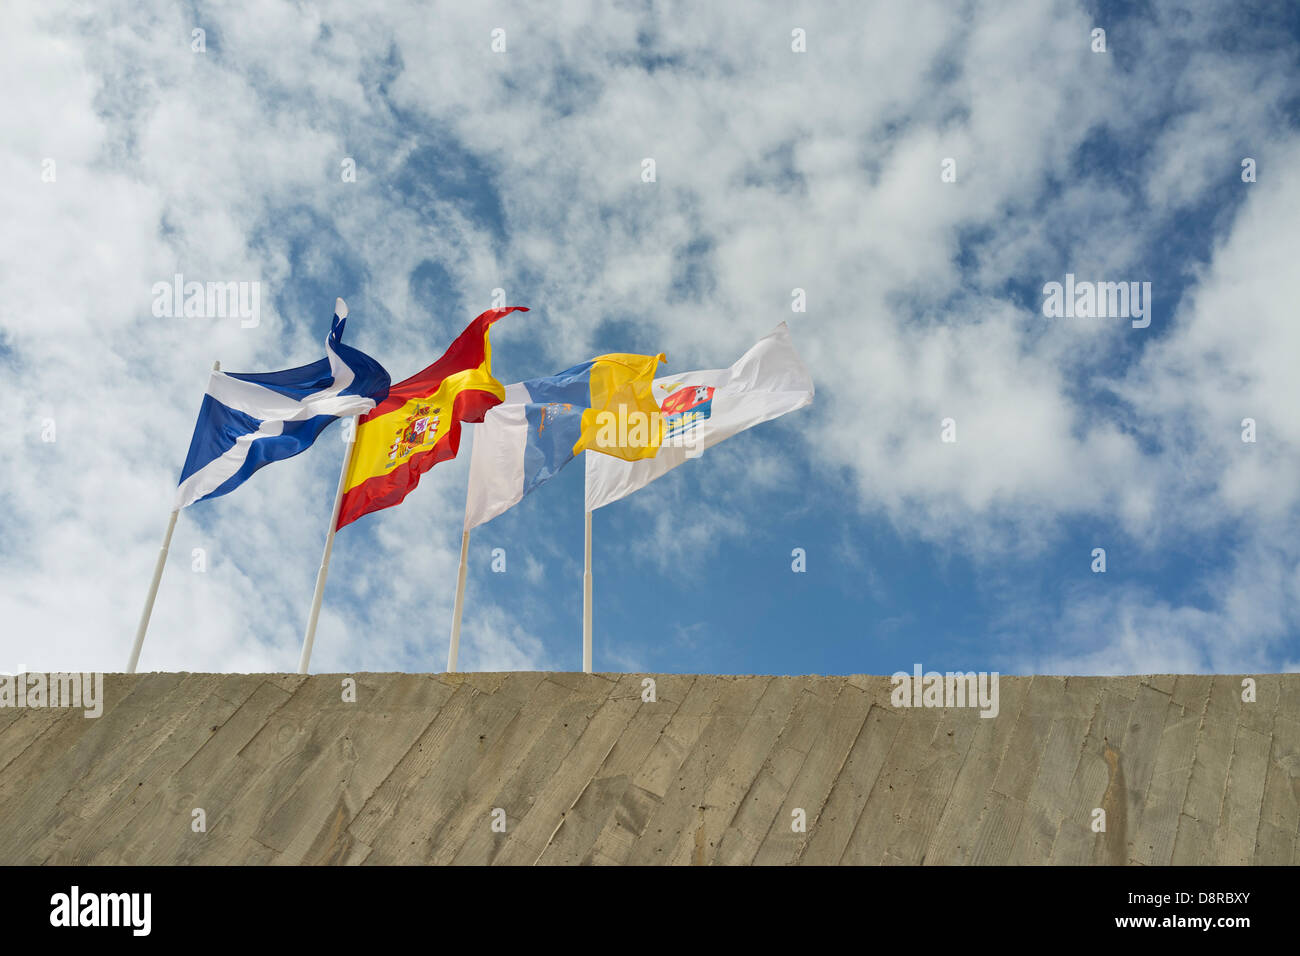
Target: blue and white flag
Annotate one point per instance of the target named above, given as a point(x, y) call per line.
point(524, 441)
point(250, 419)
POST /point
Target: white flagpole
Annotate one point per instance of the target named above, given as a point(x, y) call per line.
point(157, 579)
point(310, 637)
point(586, 602)
point(453, 652)
point(153, 593)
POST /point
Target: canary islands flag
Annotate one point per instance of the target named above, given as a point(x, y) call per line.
point(624, 419)
point(544, 423)
point(250, 419)
point(418, 424)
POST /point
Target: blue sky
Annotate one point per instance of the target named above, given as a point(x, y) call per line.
point(521, 169)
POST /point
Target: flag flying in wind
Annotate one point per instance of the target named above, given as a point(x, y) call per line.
point(623, 419)
point(701, 409)
point(543, 423)
point(250, 419)
point(418, 424)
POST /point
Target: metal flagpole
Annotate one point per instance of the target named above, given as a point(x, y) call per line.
point(153, 593)
point(453, 652)
point(310, 637)
point(586, 602)
point(157, 578)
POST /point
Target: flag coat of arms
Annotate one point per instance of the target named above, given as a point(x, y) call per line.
point(542, 424)
point(703, 408)
point(418, 424)
point(250, 419)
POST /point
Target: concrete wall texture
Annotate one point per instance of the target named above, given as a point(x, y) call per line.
point(584, 770)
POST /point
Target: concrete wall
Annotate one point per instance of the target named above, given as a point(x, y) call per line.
point(587, 772)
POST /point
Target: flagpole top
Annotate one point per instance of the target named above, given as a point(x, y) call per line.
point(340, 308)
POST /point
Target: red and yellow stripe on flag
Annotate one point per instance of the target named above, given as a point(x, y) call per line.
point(418, 425)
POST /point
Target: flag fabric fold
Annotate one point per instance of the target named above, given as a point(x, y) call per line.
point(418, 424)
point(623, 420)
point(249, 419)
point(700, 409)
point(543, 423)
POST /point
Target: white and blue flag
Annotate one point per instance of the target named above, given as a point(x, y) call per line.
point(523, 442)
point(250, 419)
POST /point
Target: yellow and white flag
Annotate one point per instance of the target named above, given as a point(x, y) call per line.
point(700, 409)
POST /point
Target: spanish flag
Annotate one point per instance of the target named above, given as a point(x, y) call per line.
point(418, 425)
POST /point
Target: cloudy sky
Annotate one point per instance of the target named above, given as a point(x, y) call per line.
point(920, 170)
